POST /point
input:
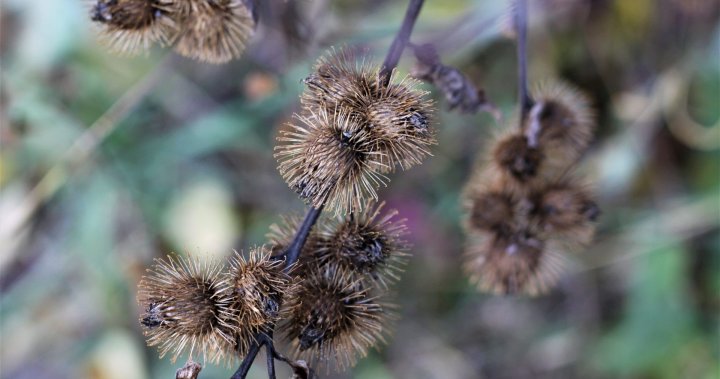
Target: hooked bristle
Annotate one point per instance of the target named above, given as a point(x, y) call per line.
point(187, 310)
point(333, 319)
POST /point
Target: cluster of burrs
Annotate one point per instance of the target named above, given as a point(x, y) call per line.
point(526, 207)
point(331, 305)
point(211, 310)
point(354, 128)
point(214, 31)
point(344, 273)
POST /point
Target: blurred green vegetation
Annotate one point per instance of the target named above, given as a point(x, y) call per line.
point(107, 162)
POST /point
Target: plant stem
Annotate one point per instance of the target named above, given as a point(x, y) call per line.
point(525, 100)
point(244, 368)
point(401, 40)
point(293, 252)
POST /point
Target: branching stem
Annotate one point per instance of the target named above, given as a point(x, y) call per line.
point(401, 40)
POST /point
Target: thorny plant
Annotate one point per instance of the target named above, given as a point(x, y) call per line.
point(324, 290)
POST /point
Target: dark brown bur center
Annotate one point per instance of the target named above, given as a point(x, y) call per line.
point(324, 319)
point(126, 15)
point(519, 159)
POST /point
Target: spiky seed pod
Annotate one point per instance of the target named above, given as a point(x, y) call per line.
point(518, 263)
point(562, 121)
point(330, 159)
point(397, 115)
point(214, 31)
point(368, 244)
point(132, 25)
point(340, 80)
point(333, 319)
point(186, 309)
point(490, 211)
point(517, 159)
point(567, 209)
point(258, 285)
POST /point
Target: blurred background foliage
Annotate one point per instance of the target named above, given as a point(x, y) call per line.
point(107, 162)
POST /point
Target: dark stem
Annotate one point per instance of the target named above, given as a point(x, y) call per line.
point(293, 252)
point(401, 40)
point(526, 101)
point(244, 368)
point(270, 352)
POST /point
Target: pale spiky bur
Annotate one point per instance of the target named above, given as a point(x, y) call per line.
point(525, 210)
point(186, 309)
point(369, 244)
point(397, 114)
point(258, 286)
point(566, 209)
point(333, 320)
point(330, 159)
point(129, 26)
point(561, 120)
point(514, 263)
point(353, 130)
point(214, 31)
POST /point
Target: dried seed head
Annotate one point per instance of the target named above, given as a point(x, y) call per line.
point(132, 25)
point(519, 263)
point(258, 286)
point(561, 121)
point(186, 309)
point(399, 118)
point(396, 117)
point(516, 158)
point(567, 209)
point(367, 244)
point(340, 80)
point(214, 31)
point(330, 159)
point(491, 211)
point(333, 319)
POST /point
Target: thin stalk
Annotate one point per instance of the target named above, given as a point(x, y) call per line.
point(293, 252)
point(244, 368)
point(525, 100)
point(401, 40)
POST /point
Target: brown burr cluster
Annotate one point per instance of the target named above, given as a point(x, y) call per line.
point(344, 273)
point(205, 310)
point(331, 306)
point(526, 208)
point(352, 131)
point(214, 31)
